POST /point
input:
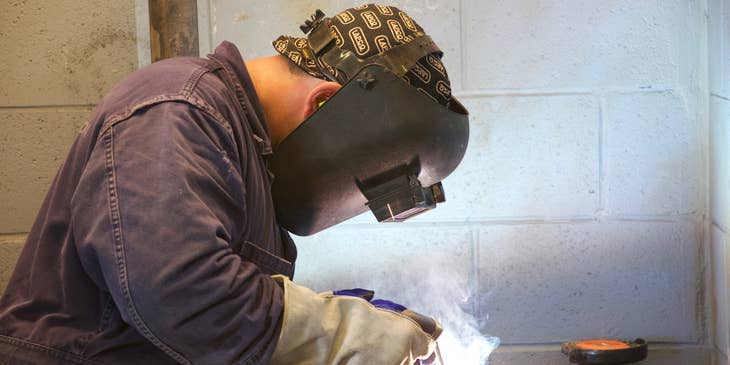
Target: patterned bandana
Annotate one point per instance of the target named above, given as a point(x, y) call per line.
point(368, 30)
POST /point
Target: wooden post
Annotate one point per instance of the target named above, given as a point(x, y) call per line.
point(173, 28)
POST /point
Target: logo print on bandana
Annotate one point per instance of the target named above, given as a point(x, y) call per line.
point(301, 43)
point(362, 7)
point(383, 43)
point(397, 31)
point(281, 44)
point(329, 68)
point(338, 36)
point(296, 57)
point(408, 21)
point(346, 17)
point(371, 20)
point(333, 71)
point(443, 89)
point(421, 73)
point(435, 63)
point(385, 10)
point(358, 38)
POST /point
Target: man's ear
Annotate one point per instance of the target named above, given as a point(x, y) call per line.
point(318, 95)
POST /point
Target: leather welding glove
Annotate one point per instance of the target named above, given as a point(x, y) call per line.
point(325, 328)
point(428, 324)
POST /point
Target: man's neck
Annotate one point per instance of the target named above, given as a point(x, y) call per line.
point(280, 92)
point(270, 78)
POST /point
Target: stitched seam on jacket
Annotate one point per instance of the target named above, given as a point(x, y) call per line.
point(208, 109)
point(106, 315)
point(50, 351)
point(119, 254)
point(192, 81)
point(229, 74)
point(125, 115)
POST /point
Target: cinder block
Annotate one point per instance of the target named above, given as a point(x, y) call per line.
point(720, 161)
point(725, 70)
point(64, 52)
point(254, 25)
point(551, 283)
point(32, 148)
point(717, 39)
point(418, 266)
point(238, 20)
point(652, 155)
point(720, 274)
point(527, 157)
point(556, 44)
point(10, 247)
point(718, 18)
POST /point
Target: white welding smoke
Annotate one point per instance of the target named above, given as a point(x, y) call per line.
point(440, 290)
point(435, 282)
point(443, 292)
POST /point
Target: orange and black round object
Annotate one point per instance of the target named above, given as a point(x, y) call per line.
point(604, 351)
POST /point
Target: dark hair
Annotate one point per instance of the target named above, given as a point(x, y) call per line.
point(295, 69)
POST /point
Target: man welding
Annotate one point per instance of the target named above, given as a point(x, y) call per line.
point(163, 238)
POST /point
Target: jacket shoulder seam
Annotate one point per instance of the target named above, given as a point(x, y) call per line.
point(191, 100)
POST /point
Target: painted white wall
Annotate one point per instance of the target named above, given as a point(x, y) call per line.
point(580, 207)
point(719, 72)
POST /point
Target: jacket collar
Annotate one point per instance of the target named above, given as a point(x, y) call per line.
point(230, 58)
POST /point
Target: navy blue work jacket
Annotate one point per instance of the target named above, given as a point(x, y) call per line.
point(157, 239)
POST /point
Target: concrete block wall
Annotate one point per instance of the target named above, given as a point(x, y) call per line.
point(59, 58)
point(719, 72)
point(580, 208)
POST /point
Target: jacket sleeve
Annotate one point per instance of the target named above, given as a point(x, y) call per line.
point(154, 217)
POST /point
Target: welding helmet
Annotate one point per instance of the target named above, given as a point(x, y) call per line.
point(385, 140)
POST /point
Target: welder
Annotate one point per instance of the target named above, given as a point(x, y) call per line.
point(164, 238)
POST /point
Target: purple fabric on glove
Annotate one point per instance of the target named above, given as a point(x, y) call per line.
point(368, 295)
point(356, 292)
point(387, 304)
